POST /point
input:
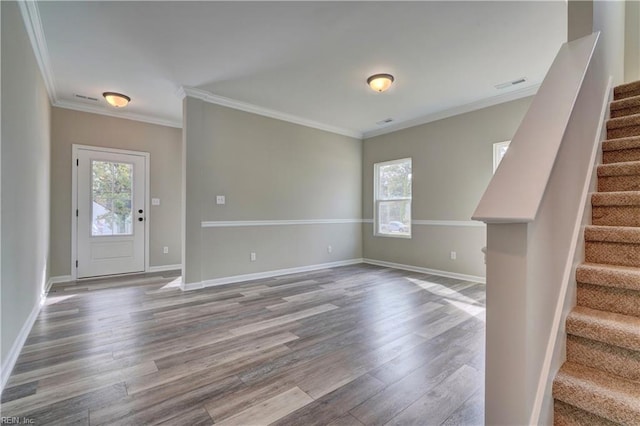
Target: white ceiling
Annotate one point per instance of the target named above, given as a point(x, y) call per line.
point(307, 61)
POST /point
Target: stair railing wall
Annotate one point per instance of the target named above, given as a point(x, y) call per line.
point(534, 209)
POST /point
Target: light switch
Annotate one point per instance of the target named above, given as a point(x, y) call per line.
point(220, 199)
point(155, 201)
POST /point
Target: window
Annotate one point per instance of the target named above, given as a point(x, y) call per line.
point(111, 198)
point(392, 198)
point(499, 150)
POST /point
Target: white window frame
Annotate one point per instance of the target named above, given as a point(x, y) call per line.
point(376, 200)
point(496, 153)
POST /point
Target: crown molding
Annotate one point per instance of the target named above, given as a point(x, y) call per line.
point(461, 109)
point(33, 26)
point(76, 106)
point(254, 109)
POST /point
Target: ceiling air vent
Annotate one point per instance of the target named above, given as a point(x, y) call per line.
point(510, 83)
point(385, 121)
point(85, 98)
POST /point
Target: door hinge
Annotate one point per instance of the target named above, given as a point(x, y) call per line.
point(76, 212)
point(77, 161)
point(76, 263)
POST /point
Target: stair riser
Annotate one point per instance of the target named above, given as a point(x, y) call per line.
point(616, 215)
point(624, 95)
point(568, 415)
point(612, 359)
point(611, 299)
point(621, 156)
point(619, 183)
point(595, 404)
point(625, 111)
point(623, 132)
point(612, 253)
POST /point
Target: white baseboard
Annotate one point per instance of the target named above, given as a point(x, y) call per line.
point(58, 279)
point(268, 274)
point(10, 360)
point(279, 272)
point(164, 268)
point(474, 278)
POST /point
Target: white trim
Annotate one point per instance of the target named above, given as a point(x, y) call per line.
point(164, 268)
point(74, 199)
point(9, 361)
point(209, 97)
point(267, 274)
point(447, 274)
point(33, 26)
point(496, 153)
point(56, 280)
point(60, 279)
point(127, 115)
point(242, 223)
point(461, 223)
point(569, 265)
point(461, 109)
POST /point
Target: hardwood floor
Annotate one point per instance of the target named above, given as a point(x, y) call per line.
point(346, 346)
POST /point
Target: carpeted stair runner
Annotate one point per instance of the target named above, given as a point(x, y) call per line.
point(599, 384)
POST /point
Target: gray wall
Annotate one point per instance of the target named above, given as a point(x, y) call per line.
point(452, 165)
point(25, 179)
point(164, 145)
point(268, 170)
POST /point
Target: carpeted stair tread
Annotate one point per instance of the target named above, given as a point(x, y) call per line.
point(626, 90)
point(621, 208)
point(568, 415)
point(621, 150)
point(625, 277)
point(621, 127)
point(625, 103)
point(612, 234)
point(618, 198)
point(611, 359)
point(611, 397)
point(621, 143)
point(624, 107)
point(607, 327)
point(626, 121)
point(629, 168)
point(610, 299)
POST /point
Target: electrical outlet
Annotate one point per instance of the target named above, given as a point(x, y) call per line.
point(253, 256)
point(165, 250)
point(329, 249)
point(453, 255)
point(220, 199)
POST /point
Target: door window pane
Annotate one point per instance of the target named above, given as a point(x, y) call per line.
point(111, 198)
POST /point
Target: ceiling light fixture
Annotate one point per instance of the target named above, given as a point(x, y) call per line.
point(117, 100)
point(380, 82)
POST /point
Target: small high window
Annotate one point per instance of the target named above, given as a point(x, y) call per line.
point(499, 150)
point(392, 198)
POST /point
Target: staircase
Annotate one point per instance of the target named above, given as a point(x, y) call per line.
point(599, 384)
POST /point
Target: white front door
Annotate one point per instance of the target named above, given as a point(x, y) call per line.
point(111, 212)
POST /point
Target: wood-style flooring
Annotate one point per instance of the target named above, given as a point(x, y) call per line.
point(356, 345)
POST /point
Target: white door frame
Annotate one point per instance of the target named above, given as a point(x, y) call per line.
point(74, 201)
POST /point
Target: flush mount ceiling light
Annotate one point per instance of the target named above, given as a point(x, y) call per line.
point(380, 82)
point(117, 100)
